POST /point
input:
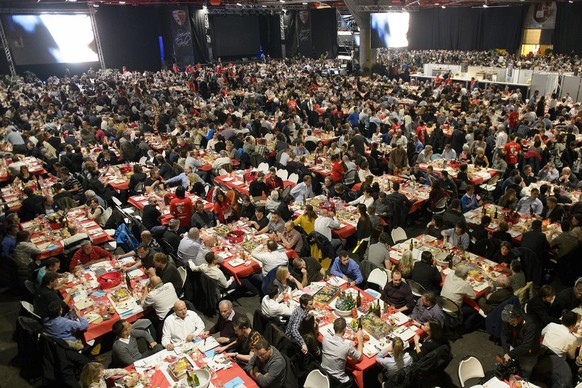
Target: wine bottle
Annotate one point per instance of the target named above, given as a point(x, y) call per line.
point(358, 300)
point(128, 281)
point(359, 323)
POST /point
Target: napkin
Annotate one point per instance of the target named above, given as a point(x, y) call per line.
point(234, 383)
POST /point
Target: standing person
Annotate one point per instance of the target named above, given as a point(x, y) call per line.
point(520, 339)
point(335, 351)
point(181, 208)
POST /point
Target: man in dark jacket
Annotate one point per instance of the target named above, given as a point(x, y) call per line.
point(522, 335)
point(493, 299)
point(539, 308)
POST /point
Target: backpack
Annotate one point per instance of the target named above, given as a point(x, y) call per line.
point(125, 239)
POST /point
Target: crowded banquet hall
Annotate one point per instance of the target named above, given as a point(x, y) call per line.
point(291, 194)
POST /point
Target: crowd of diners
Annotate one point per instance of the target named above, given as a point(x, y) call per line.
point(229, 110)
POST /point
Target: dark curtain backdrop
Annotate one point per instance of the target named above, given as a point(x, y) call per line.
point(291, 43)
point(568, 31)
point(199, 36)
point(129, 36)
point(270, 34)
point(466, 28)
point(324, 32)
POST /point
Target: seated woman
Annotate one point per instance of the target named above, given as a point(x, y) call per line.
point(503, 254)
point(24, 176)
point(222, 208)
point(273, 201)
point(309, 330)
point(285, 282)
point(435, 227)
point(138, 177)
point(508, 200)
point(480, 159)
point(393, 358)
point(94, 376)
point(502, 232)
point(434, 338)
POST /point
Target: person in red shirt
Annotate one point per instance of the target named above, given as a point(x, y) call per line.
point(421, 132)
point(181, 207)
point(513, 118)
point(337, 169)
point(512, 150)
point(87, 254)
point(222, 208)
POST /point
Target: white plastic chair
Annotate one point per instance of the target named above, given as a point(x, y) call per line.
point(398, 235)
point(283, 174)
point(264, 167)
point(293, 178)
point(222, 171)
point(29, 309)
point(116, 201)
point(378, 277)
point(315, 379)
point(143, 160)
point(469, 368)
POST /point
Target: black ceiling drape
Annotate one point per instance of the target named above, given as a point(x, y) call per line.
point(466, 28)
point(568, 32)
point(270, 35)
point(129, 36)
point(199, 35)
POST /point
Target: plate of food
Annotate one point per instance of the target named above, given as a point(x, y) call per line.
point(180, 368)
point(325, 294)
point(375, 326)
point(120, 295)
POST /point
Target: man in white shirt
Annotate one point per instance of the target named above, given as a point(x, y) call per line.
point(222, 161)
point(271, 306)
point(182, 326)
point(456, 287)
point(160, 296)
point(189, 247)
point(500, 137)
point(559, 338)
point(271, 259)
point(212, 270)
point(325, 223)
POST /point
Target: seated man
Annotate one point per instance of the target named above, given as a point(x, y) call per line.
point(297, 317)
point(559, 338)
point(307, 270)
point(166, 271)
point(245, 342)
point(212, 270)
point(202, 218)
point(88, 254)
point(267, 366)
point(291, 238)
point(346, 268)
point(259, 221)
point(182, 326)
point(224, 326)
point(497, 295)
point(427, 309)
point(64, 327)
point(47, 293)
point(398, 294)
point(335, 351)
point(456, 287)
point(272, 307)
point(125, 350)
point(161, 297)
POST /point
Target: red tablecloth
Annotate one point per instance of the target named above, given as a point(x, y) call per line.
point(224, 375)
point(243, 271)
point(359, 368)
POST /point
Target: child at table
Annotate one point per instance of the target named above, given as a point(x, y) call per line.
point(94, 375)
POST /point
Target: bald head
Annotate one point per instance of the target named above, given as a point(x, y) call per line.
point(146, 236)
point(180, 309)
point(194, 233)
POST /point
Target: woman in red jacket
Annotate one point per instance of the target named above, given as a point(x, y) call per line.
point(222, 207)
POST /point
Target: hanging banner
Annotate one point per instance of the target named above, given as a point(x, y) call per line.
point(182, 35)
point(304, 32)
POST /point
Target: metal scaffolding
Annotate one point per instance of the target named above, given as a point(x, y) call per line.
point(92, 12)
point(7, 50)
